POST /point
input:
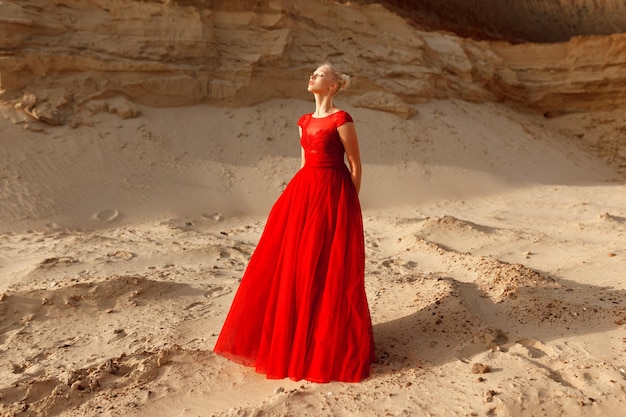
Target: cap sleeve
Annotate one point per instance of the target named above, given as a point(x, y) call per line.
point(343, 118)
point(302, 119)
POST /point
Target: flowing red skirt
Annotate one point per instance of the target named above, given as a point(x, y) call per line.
point(301, 309)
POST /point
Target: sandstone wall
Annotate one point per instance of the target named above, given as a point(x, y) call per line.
point(58, 57)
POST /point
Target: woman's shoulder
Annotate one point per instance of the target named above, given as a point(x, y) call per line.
point(304, 118)
point(342, 117)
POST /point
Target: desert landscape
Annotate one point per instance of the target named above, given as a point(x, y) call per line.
point(143, 144)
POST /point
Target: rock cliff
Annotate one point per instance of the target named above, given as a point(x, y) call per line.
point(517, 20)
point(61, 57)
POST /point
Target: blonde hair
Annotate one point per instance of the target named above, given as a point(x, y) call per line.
point(343, 80)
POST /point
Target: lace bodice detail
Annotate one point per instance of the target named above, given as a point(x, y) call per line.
point(320, 139)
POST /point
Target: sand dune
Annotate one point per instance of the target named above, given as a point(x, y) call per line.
point(495, 260)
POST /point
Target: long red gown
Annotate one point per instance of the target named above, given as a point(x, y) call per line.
point(301, 309)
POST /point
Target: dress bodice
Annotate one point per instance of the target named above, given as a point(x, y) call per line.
point(320, 139)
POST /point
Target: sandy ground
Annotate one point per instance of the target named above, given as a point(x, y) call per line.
point(495, 262)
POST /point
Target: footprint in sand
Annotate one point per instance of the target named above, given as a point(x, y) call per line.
point(108, 215)
point(61, 260)
point(217, 217)
point(120, 254)
point(216, 292)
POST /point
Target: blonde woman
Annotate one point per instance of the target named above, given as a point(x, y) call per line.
point(301, 310)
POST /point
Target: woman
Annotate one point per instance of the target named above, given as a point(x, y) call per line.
point(301, 310)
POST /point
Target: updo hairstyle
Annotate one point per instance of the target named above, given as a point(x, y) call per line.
point(343, 80)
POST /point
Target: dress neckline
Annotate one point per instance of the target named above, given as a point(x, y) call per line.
point(323, 117)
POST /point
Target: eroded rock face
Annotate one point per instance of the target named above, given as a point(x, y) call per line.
point(517, 20)
point(56, 56)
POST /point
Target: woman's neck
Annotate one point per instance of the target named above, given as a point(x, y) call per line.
point(323, 105)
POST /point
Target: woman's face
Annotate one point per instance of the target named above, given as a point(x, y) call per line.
point(322, 80)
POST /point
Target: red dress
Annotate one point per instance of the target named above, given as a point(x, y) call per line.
point(301, 310)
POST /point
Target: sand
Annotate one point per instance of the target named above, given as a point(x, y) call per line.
point(495, 262)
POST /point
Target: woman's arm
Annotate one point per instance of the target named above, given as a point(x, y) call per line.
point(347, 133)
point(302, 157)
